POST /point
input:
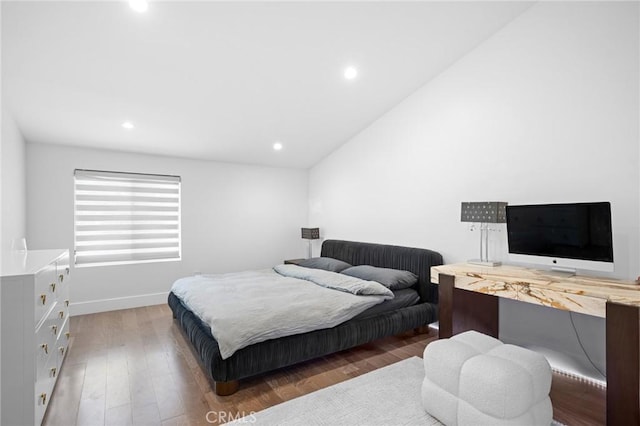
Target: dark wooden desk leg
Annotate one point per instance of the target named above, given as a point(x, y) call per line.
point(623, 364)
point(445, 305)
point(464, 310)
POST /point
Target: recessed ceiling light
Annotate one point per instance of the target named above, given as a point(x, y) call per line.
point(350, 73)
point(139, 6)
point(277, 146)
point(128, 125)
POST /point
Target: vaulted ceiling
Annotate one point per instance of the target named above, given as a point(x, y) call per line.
point(226, 80)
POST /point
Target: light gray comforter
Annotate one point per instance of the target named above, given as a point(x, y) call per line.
point(244, 308)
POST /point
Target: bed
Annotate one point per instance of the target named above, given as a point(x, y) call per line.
point(280, 352)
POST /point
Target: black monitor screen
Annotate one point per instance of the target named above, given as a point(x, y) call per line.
point(574, 231)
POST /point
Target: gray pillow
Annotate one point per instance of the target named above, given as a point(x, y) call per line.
point(393, 279)
point(326, 263)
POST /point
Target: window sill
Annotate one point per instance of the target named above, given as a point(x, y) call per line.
point(127, 262)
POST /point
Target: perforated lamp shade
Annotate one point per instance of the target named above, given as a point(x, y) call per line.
point(311, 233)
point(484, 212)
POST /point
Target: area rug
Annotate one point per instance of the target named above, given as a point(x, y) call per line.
point(387, 396)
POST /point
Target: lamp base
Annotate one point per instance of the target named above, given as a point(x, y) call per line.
point(489, 263)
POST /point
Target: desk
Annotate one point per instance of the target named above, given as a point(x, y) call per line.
point(469, 296)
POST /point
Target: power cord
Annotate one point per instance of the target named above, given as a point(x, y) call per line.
point(575, 330)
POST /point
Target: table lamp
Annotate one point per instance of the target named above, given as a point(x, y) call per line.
point(310, 234)
point(484, 213)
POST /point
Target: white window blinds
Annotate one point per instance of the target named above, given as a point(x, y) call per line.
point(126, 218)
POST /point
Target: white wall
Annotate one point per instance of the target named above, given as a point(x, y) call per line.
point(546, 110)
point(234, 217)
point(12, 195)
point(12, 183)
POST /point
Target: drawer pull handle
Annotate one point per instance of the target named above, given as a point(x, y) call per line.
point(61, 349)
point(53, 372)
point(61, 277)
point(61, 314)
point(45, 348)
point(54, 328)
point(53, 287)
point(43, 398)
point(67, 270)
point(68, 334)
point(66, 303)
point(43, 298)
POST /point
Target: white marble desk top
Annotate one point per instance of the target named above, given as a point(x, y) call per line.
point(587, 295)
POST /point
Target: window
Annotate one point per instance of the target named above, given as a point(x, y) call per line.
point(126, 218)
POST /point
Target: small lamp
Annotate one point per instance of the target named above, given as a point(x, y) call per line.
point(484, 212)
point(310, 234)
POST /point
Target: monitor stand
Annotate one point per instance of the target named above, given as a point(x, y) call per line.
point(562, 272)
point(489, 263)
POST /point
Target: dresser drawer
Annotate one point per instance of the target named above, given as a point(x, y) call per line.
point(46, 286)
point(44, 388)
point(62, 344)
point(62, 315)
point(45, 346)
point(49, 369)
point(61, 312)
point(63, 276)
point(63, 269)
point(63, 299)
point(46, 339)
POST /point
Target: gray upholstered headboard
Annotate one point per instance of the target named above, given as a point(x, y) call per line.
point(417, 260)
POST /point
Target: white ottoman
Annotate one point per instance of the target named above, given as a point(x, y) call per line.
point(474, 379)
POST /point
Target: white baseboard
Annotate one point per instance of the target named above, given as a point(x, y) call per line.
point(104, 305)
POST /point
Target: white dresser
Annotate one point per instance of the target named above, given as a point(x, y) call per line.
point(34, 311)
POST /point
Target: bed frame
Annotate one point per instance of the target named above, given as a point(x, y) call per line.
point(277, 353)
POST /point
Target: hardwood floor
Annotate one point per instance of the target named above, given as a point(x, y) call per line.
point(135, 367)
point(577, 403)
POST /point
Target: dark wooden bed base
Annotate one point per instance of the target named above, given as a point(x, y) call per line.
point(277, 353)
